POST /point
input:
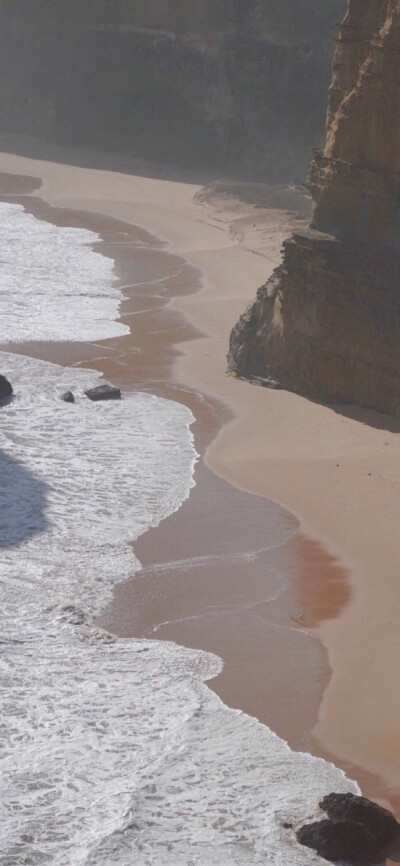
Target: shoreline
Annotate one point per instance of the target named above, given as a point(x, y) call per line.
point(257, 557)
point(333, 454)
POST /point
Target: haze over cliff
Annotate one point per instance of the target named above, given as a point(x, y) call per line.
point(327, 323)
point(238, 84)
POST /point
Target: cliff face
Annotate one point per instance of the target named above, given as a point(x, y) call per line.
point(327, 323)
point(238, 84)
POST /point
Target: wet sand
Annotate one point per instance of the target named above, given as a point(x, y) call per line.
point(224, 573)
point(314, 460)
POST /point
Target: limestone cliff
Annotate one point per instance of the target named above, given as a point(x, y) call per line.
point(327, 324)
point(235, 84)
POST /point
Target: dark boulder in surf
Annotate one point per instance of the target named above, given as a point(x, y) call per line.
point(68, 397)
point(379, 821)
point(5, 388)
point(341, 840)
point(103, 392)
point(73, 614)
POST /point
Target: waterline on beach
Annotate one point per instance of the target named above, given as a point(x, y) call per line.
point(124, 750)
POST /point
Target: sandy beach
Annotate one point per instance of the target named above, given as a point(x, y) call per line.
point(226, 571)
point(336, 470)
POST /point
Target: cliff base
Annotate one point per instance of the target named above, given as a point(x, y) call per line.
point(326, 324)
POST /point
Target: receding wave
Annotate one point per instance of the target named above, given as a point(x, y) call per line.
point(112, 751)
point(53, 285)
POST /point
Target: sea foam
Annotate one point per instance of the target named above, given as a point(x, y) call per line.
point(114, 751)
point(53, 285)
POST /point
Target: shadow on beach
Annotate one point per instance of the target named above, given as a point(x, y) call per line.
point(87, 157)
point(23, 501)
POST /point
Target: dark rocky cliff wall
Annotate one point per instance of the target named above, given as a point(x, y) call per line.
point(238, 84)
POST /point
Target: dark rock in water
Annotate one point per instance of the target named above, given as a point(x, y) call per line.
point(96, 636)
point(341, 840)
point(103, 392)
point(68, 397)
point(73, 614)
point(349, 807)
point(5, 388)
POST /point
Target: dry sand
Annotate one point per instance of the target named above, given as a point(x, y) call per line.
point(227, 572)
point(336, 469)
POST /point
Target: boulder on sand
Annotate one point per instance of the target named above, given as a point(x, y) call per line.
point(103, 392)
point(341, 840)
point(379, 821)
point(5, 388)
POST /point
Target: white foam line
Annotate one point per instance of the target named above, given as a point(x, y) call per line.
point(138, 313)
point(211, 558)
point(219, 610)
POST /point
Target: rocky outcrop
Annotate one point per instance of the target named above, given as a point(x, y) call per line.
point(68, 397)
point(356, 830)
point(5, 388)
point(349, 807)
point(236, 84)
point(327, 324)
point(341, 840)
point(103, 392)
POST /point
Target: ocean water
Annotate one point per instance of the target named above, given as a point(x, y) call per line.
point(53, 285)
point(114, 751)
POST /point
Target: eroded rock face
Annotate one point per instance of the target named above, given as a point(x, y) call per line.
point(327, 323)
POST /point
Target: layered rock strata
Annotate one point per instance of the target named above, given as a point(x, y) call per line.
point(327, 323)
point(234, 84)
